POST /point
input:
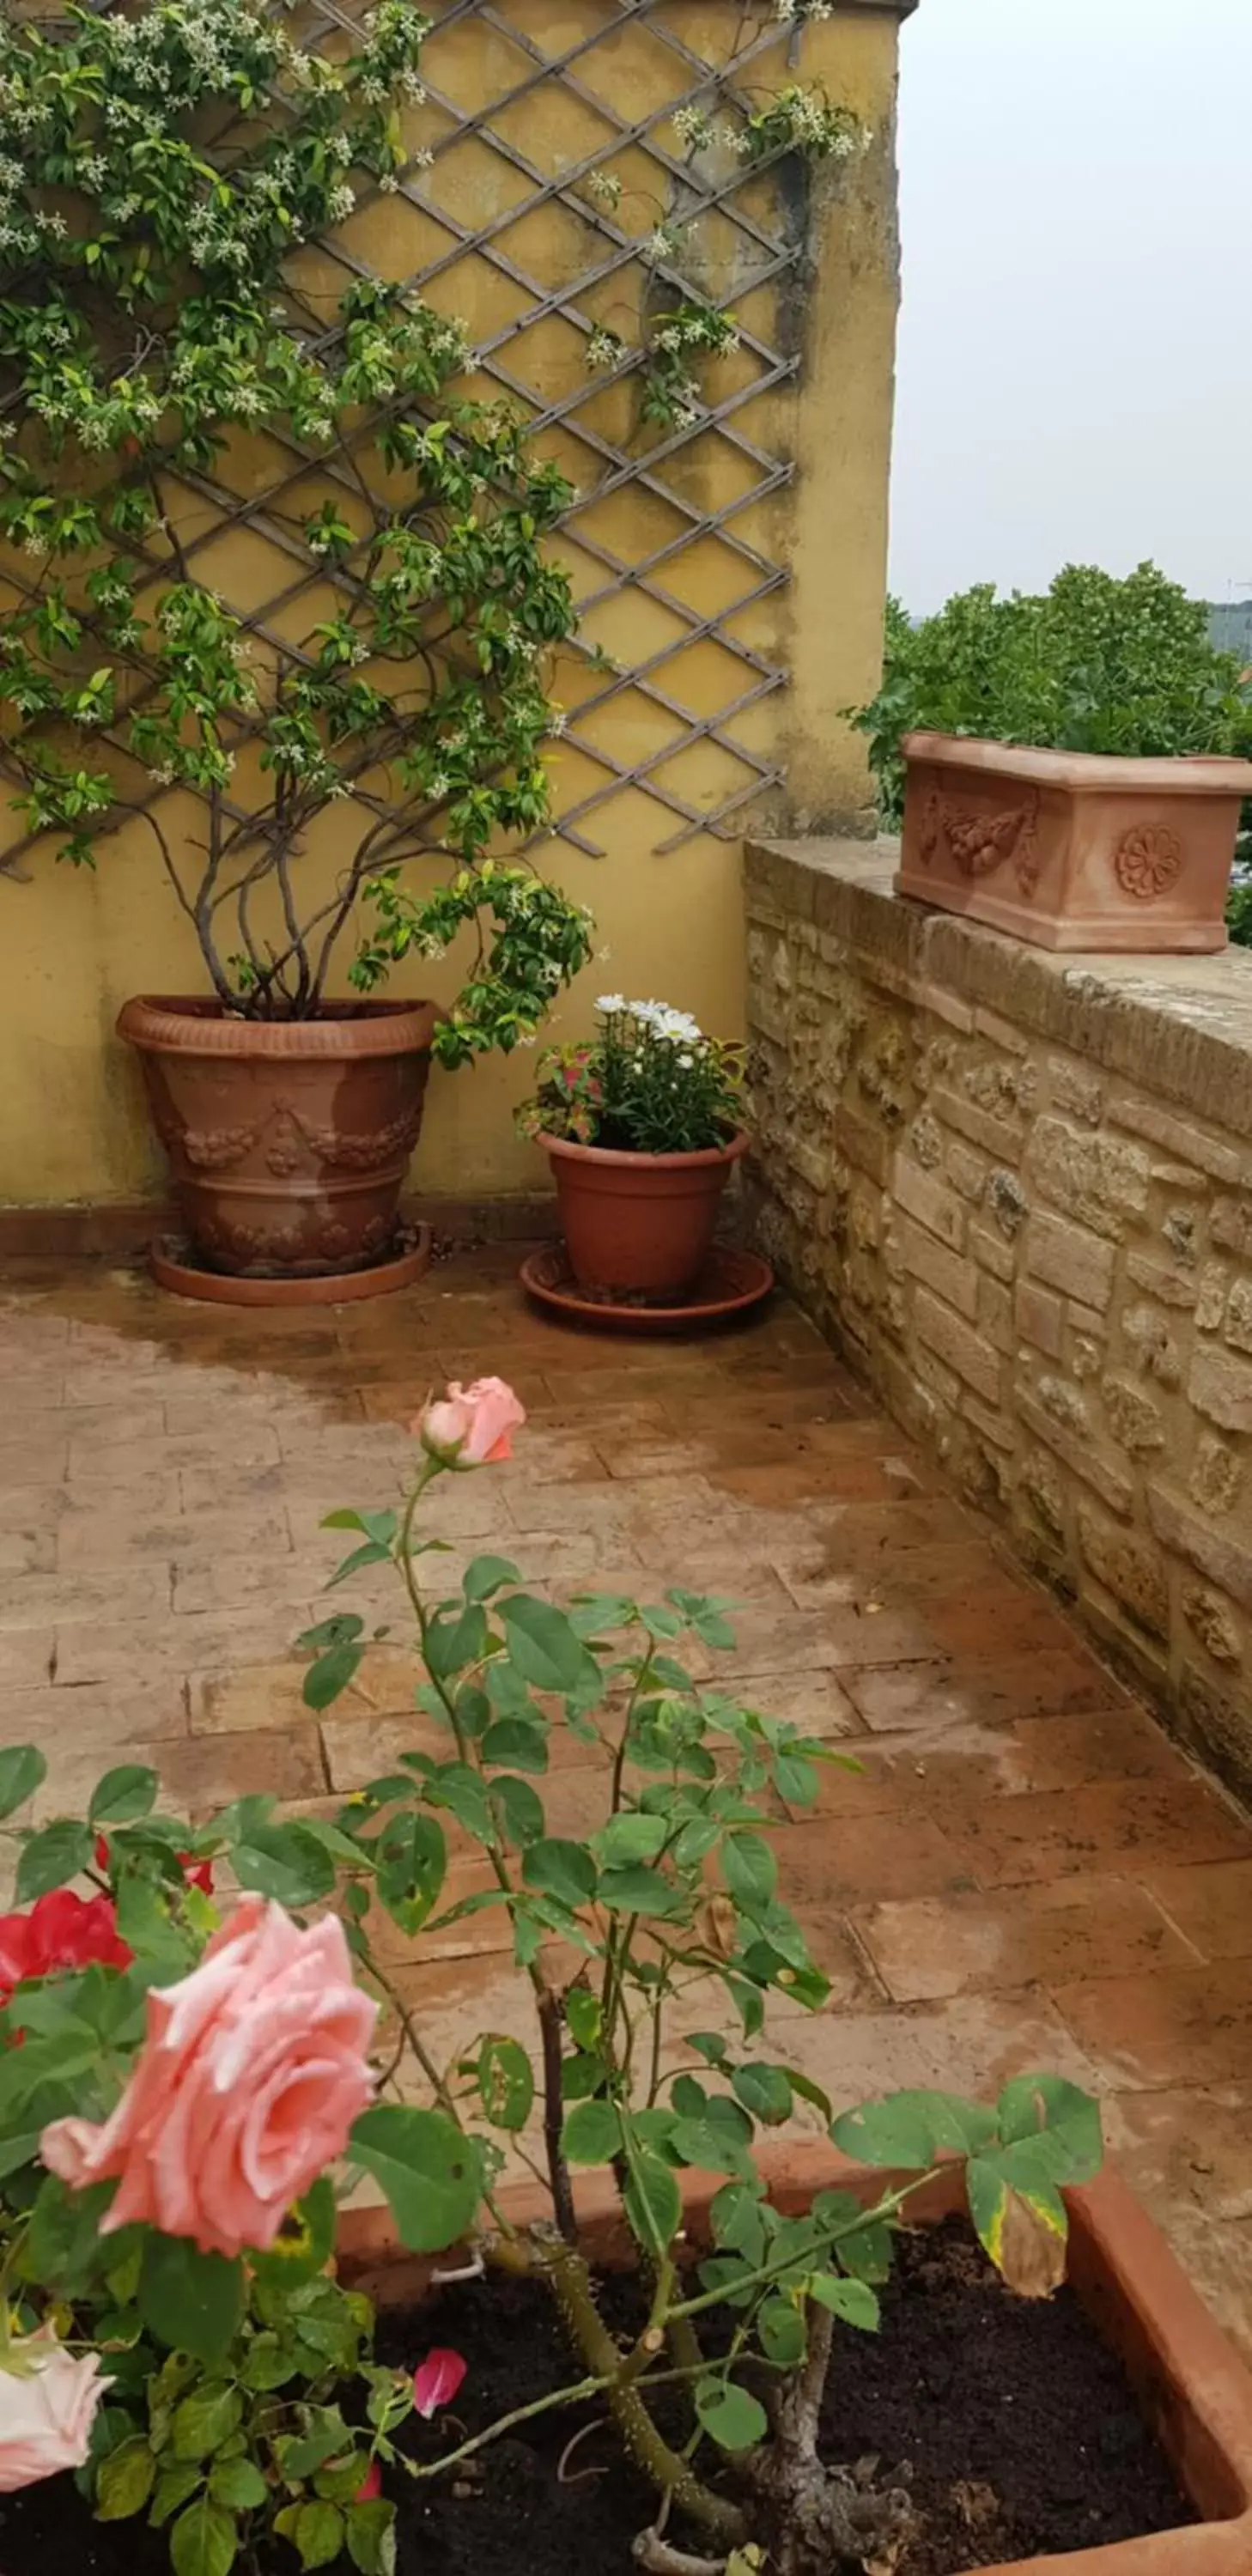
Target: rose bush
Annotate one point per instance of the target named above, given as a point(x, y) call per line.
point(187, 2080)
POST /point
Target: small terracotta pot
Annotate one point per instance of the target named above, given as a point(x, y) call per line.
point(1190, 2382)
point(639, 1225)
point(288, 1140)
point(1070, 849)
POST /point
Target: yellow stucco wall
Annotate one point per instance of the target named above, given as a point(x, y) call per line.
point(73, 947)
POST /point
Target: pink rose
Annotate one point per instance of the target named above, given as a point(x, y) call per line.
point(470, 1426)
point(251, 2074)
point(47, 2409)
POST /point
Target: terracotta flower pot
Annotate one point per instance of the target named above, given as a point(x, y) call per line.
point(1069, 849)
point(288, 1140)
point(1190, 2382)
point(639, 1225)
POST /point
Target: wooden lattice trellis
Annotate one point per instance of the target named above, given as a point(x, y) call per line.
point(695, 57)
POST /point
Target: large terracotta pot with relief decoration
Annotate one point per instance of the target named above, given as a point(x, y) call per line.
point(1069, 849)
point(288, 1140)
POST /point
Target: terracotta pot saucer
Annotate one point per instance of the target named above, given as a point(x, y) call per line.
point(175, 1267)
point(730, 1284)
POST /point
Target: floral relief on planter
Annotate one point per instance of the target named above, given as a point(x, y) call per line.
point(1072, 850)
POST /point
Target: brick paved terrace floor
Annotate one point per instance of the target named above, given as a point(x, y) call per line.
point(1024, 1873)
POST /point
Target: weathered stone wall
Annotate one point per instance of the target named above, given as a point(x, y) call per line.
point(1017, 1191)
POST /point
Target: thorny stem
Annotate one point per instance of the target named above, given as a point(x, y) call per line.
point(546, 2003)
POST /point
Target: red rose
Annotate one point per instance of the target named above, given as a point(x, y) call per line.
point(61, 1931)
point(198, 1873)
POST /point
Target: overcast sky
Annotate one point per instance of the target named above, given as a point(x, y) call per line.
point(1075, 373)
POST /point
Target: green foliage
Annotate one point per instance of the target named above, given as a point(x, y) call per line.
point(1094, 664)
point(158, 170)
point(676, 341)
point(650, 1083)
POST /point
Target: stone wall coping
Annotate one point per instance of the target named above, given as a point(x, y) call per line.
point(1181, 1026)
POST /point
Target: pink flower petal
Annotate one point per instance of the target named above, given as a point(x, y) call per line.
point(436, 2381)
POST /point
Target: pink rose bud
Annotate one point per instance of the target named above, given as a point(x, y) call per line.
point(252, 2071)
point(48, 2404)
point(370, 2486)
point(471, 1426)
point(436, 2381)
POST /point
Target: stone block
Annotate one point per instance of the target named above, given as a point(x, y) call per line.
point(1144, 1116)
point(1072, 1089)
point(966, 1170)
point(1216, 1477)
point(1216, 1726)
point(1077, 1453)
point(863, 1144)
point(995, 1314)
point(1221, 1386)
point(1160, 1281)
point(1129, 1567)
point(929, 1200)
point(1070, 1259)
point(1239, 1315)
point(951, 1274)
point(1226, 1560)
point(1133, 1416)
point(991, 1254)
point(1040, 1318)
point(1230, 1224)
point(1151, 1344)
point(958, 1345)
point(1214, 1622)
point(1210, 1302)
point(1093, 1177)
point(998, 1132)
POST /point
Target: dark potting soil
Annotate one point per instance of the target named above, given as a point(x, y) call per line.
point(1020, 2433)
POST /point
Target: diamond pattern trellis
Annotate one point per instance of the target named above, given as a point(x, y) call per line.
point(672, 542)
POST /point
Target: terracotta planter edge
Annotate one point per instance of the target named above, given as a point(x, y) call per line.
point(1191, 2383)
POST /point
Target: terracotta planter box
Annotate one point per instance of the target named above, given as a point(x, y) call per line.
point(1072, 850)
point(1192, 2387)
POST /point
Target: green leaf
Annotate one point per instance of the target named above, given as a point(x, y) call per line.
point(853, 2301)
point(1020, 2218)
point(124, 1795)
point(368, 1553)
point(913, 2129)
point(237, 2484)
point(485, 1574)
point(173, 2487)
point(330, 1676)
point(780, 2327)
point(371, 2536)
point(506, 2083)
point(750, 1870)
point(23, 1769)
point(305, 2241)
point(544, 1647)
point(203, 2541)
point(653, 2202)
point(285, 1861)
point(518, 1810)
point(51, 1858)
point(430, 2173)
point(582, 2008)
point(520, 1742)
point(124, 2481)
point(562, 1869)
point(1056, 2118)
point(412, 1862)
point(205, 2419)
point(731, 2416)
point(639, 1891)
point(765, 2091)
point(192, 2302)
point(795, 1778)
point(630, 1838)
point(592, 2134)
point(708, 2044)
point(318, 2533)
point(451, 1644)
